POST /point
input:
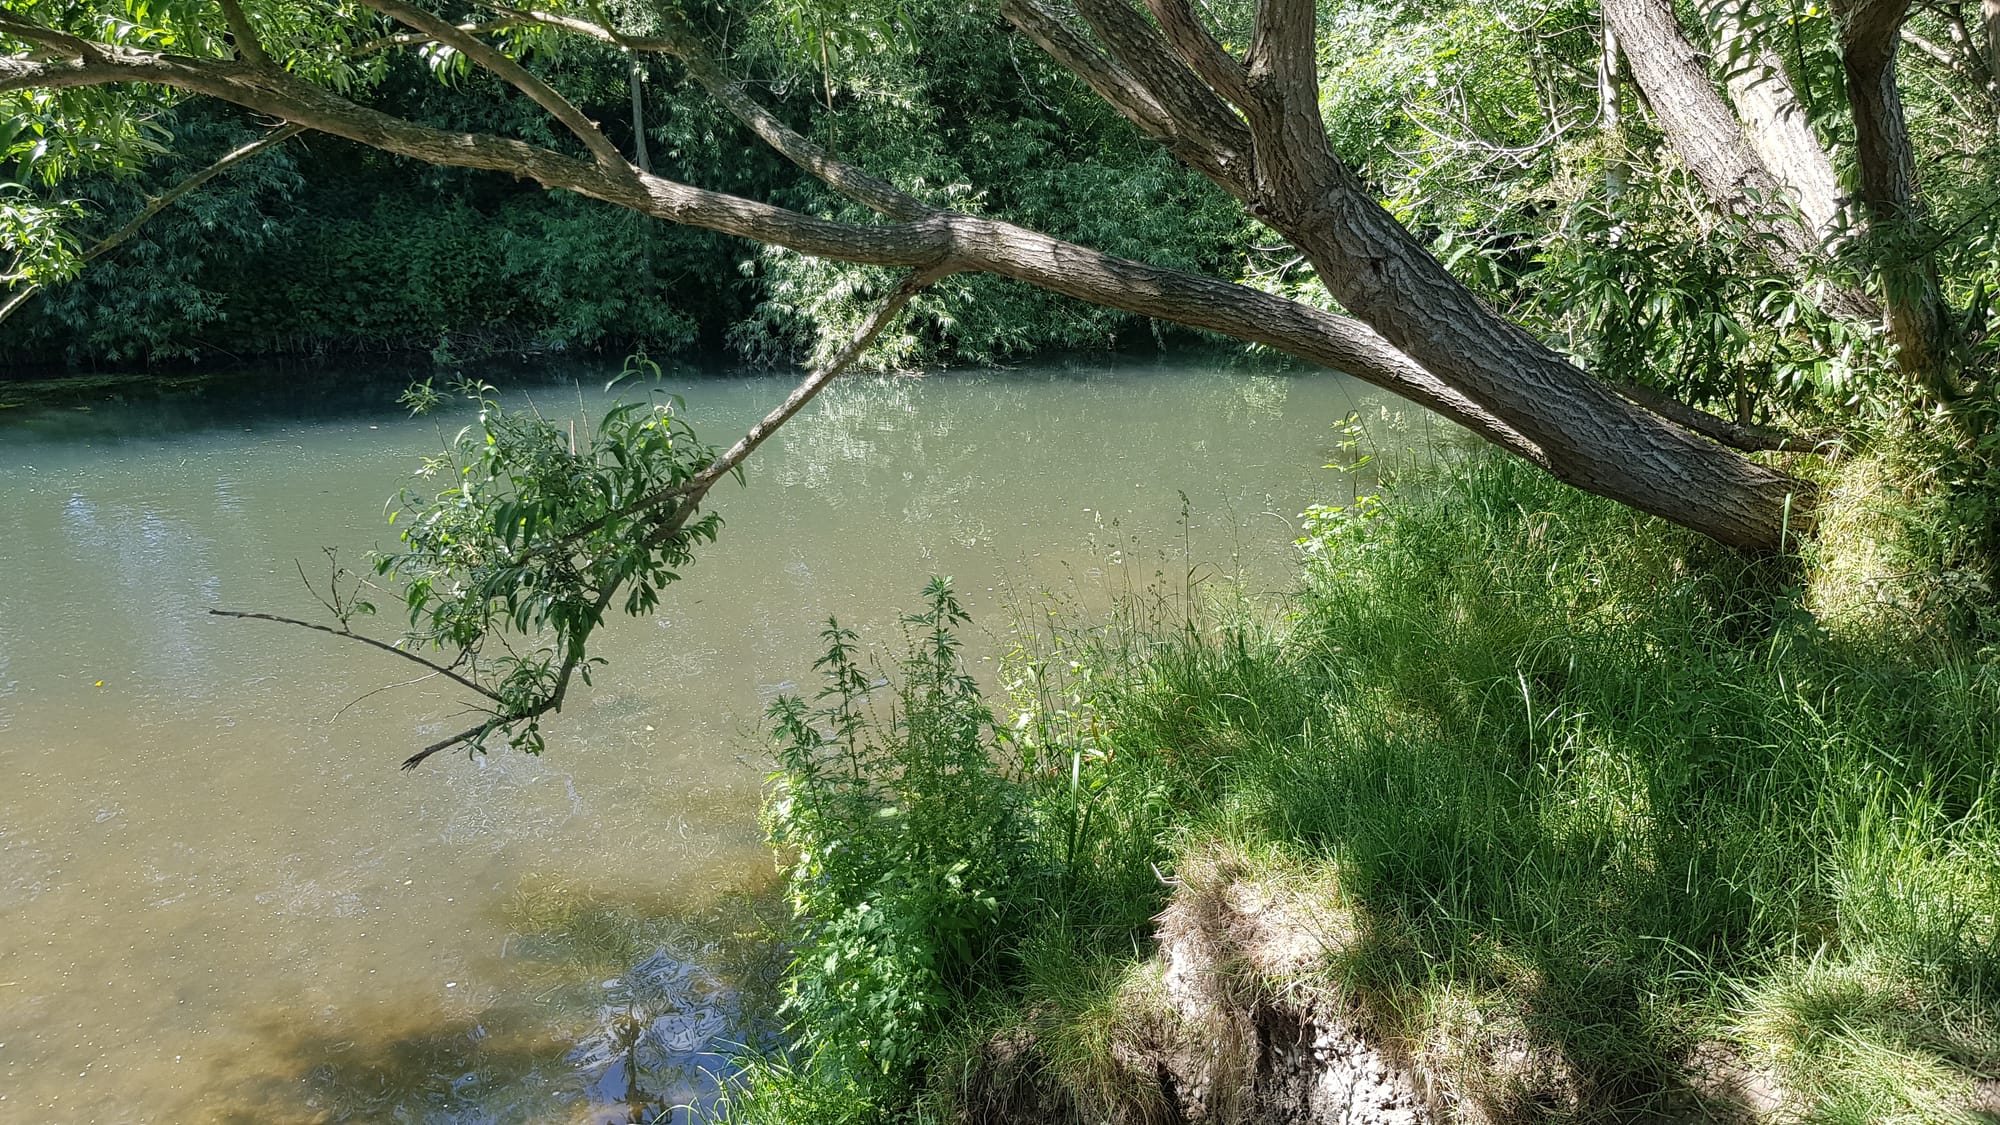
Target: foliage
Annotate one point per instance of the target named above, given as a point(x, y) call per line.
point(170, 292)
point(906, 845)
point(982, 123)
point(363, 252)
point(535, 532)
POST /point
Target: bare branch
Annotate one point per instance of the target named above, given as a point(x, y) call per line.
point(440, 669)
point(71, 46)
point(690, 492)
point(160, 203)
point(411, 38)
point(1736, 435)
point(817, 381)
point(513, 73)
point(1108, 79)
point(682, 44)
point(470, 734)
point(1199, 118)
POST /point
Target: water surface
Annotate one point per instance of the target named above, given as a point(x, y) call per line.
point(221, 901)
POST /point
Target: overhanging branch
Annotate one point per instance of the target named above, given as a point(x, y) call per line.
point(516, 75)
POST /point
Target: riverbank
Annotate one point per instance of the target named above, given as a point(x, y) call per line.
point(302, 908)
point(1550, 810)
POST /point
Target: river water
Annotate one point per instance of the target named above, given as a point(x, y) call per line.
point(221, 901)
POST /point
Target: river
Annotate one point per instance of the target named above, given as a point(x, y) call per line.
point(221, 901)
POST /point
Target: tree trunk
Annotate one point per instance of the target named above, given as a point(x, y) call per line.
point(1592, 436)
point(1425, 336)
point(1780, 131)
point(634, 73)
point(1920, 325)
point(1724, 158)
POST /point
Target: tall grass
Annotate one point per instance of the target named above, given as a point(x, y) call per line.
point(1571, 771)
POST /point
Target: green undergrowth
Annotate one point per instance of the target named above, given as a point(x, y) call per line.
point(1582, 786)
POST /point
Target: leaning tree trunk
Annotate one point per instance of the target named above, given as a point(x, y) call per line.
point(1280, 163)
point(1419, 332)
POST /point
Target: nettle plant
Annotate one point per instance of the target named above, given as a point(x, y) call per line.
point(908, 845)
point(534, 531)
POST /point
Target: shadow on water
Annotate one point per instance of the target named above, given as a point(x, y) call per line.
point(124, 407)
point(610, 1009)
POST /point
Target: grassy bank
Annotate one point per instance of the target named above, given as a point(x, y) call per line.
point(1566, 772)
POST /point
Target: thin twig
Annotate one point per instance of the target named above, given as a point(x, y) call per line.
point(513, 73)
point(350, 634)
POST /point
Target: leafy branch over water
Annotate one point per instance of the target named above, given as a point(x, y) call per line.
point(537, 529)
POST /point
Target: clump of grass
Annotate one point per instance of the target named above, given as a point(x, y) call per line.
point(1897, 558)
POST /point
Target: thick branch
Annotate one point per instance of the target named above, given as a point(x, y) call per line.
point(1774, 119)
point(248, 48)
point(516, 75)
point(49, 37)
point(160, 203)
point(1200, 122)
point(1199, 49)
point(1438, 345)
point(1923, 329)
point(1736, 435)
point(1119, 88)
point(1283, 39)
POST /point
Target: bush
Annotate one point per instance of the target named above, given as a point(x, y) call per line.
point(907, 846)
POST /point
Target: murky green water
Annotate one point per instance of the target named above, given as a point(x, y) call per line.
point(221, 901)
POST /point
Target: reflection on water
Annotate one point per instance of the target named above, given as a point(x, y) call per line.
point(597, 1010)
point(221, 901)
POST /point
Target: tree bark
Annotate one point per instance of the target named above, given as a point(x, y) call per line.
point(634, 72)
point(1780, 132)
point(1610, 112)
point(1592, 437)
point(1920, 325)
